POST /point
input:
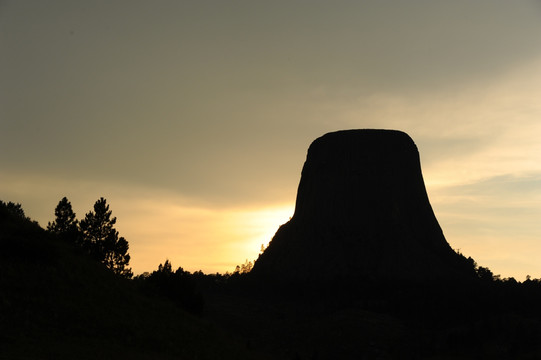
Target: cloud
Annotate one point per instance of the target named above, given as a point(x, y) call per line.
point(221, 101)
point(495, 220)
point(481, 131)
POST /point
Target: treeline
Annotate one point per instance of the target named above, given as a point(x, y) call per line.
point(58, 302)
point(187, 289)
point(95, 235)
point(180, 286)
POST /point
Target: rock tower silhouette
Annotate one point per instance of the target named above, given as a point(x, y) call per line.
point(362, 211)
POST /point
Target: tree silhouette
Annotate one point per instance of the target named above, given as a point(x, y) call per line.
point(65, 224)
point(485, 274)
point(166, 268)
point(100, 239)
point(13, 209)
point(244, 268)
point(178, 286)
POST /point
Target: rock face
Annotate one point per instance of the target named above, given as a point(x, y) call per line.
point(362, 211)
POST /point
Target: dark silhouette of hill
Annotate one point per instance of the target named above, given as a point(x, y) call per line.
point(362, 211)
point(56, 302)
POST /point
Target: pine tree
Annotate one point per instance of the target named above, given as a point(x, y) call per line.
point(65, 224)
point(13, 209)
point(100, 239)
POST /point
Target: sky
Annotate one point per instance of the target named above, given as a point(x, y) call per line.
point(193, 118)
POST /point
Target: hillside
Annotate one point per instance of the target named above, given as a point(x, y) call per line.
point(56, 303)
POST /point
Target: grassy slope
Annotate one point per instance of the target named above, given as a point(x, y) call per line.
point(285, 328)
point(447, 322)
point(57, 303)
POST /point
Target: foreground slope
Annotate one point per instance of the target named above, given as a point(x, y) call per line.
point(57, 303)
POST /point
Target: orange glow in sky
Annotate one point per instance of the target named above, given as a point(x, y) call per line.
point(200, 239)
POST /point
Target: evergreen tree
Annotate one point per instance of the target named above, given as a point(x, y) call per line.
point(179, 286)
point(65, 224)
point(12, 209)
point(100, 239)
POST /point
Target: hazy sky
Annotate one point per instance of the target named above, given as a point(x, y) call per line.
point(193, 117)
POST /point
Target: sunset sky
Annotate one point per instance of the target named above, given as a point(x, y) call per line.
point(193, 118)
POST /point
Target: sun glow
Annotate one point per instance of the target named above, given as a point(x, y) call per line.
point(258, 228)
point(161, 225)
point(211, 240)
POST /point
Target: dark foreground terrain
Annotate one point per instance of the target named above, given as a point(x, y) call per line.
point(57, 303)
point(492, 320)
